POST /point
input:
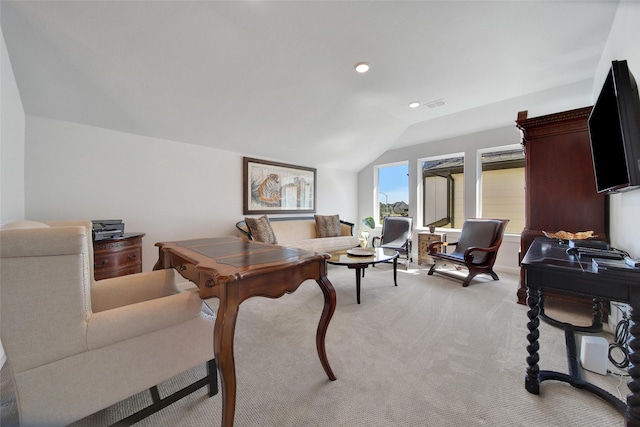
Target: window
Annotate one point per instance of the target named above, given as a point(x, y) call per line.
point(393, 190)
point(443, 191)
point(502, 190)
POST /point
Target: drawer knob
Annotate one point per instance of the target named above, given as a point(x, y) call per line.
point(182, 267)
point(104, 262)
point(209, 283)
point(132, 257)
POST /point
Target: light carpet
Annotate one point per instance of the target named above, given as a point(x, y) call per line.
point(425, 353)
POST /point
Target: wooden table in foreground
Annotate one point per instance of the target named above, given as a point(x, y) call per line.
point(233, 270)
point(547, 265)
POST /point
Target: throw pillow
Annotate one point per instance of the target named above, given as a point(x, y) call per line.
point(260, 229)
point(328, 226)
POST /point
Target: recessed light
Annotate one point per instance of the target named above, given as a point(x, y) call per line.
point(362, 67)
point(414, 104)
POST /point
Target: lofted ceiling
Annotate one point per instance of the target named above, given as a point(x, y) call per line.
point(276, 79)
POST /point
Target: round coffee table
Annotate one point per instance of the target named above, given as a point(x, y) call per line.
point(358, 259)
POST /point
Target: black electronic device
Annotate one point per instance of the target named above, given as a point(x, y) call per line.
point(107, 229)
point(614, 131)
point(632, 262)
point(615, 266)
point(610, 253)
point(588, 243)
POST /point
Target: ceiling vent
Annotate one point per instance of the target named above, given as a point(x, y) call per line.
point(437, 103)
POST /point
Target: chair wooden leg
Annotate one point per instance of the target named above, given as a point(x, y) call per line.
point(159, 403)
point(494, 275)
point(467, 280)
point(155, 394)
point(432, 269)
point(212, 375)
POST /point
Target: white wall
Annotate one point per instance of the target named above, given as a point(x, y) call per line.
point(467, 144)
point(12, 125)
point(166, 189)
point(624, 208)
point(623, 44)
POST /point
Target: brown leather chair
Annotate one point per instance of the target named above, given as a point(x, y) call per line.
point(396, 235)
point(476, 249)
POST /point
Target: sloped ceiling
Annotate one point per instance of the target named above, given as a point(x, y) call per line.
point(276, 79)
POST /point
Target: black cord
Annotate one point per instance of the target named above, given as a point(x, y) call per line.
point(620, 343)
point(617, 374)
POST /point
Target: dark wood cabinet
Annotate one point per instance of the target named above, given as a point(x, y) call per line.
point(117, 257)
point(560, 191)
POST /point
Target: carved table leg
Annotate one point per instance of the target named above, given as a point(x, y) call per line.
point(223, 350)
point(596, 320)
point(327, 313)
point(532, 380)
point(633, 399)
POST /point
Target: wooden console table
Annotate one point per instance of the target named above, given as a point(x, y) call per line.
point(233, 270)
point(548, 266)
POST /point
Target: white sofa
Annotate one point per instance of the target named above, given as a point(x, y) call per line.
point(75, 346)
point(300, 232)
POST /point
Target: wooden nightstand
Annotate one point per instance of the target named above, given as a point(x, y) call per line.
point(424, 239)
point(117, 257)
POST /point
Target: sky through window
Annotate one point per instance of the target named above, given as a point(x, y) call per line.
point(393, 181)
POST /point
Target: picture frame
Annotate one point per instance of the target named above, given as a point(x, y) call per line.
point(272, 187)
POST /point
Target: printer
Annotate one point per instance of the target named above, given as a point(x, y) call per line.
point(105, 229)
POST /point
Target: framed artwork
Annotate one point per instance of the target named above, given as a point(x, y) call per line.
point(270, 187)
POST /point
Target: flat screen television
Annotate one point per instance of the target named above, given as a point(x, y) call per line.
point(614, 131)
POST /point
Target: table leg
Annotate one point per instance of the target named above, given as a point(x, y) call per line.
point(532, 379)
point(327, 313)
point(223, 350)
point(395, 271)
point(633, 399)
point(596, 320)
point(359, 272)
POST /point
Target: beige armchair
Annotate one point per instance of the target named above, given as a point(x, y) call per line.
point(75, 346)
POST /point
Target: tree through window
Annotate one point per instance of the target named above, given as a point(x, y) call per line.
point(393, 190)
